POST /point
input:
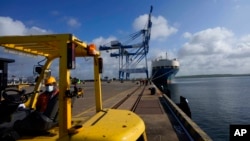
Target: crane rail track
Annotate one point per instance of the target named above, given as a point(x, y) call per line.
point(133, 98)
point(118, 104)
point(177, 124)
point(124, 99)
point(137, 100)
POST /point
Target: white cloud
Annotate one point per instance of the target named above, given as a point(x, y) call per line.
point(214, 51)
point(216, 40)
point(73, 22)
point(160, 27)
point(110, 63)
point(242, 48)
point(187, 35)
point(160, 31)
point(210, 51)
point(36, 31)
point(104, 42)
point(9, 26)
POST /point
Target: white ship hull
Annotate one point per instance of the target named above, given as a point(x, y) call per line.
point(164, 70)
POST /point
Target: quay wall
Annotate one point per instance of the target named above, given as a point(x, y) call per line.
point(195, 131)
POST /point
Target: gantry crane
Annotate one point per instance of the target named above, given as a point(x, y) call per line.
point(131, 55)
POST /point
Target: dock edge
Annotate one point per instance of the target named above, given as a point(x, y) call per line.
point(195, 131)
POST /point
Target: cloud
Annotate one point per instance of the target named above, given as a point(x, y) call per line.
point(209, 51)
point(160, 31)
point(73, 22)
point(242, 48)
point(214, 51)
point(111, 66)
point(9, 26)
point(217, 40)
point(101, 41)
point(160, 27)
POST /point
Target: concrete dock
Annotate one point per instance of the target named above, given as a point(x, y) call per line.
point(161, 123)
point(162, 118)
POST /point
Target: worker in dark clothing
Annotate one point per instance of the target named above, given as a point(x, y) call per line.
point(45, 115)
point(51, 92)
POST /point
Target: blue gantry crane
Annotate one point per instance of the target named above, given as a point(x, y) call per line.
point(131, 55)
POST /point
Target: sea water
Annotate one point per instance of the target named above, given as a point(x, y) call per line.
point(215, 102)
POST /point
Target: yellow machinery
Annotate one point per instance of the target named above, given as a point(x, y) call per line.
point(106, 124)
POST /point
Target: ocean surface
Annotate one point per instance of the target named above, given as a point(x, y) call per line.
point(215, 102)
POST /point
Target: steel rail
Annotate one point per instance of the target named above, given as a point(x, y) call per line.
point(118, 104)
point(137, 100)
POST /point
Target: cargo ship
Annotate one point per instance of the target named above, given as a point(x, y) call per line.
point(164, 70)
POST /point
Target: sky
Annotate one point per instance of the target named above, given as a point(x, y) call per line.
point(206, 36)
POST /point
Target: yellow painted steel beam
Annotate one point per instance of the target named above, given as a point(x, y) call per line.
point(32, 101)
point(34, 38)
point(43, 45)
point(64, 86)
point(97, 80)
point(29, 52)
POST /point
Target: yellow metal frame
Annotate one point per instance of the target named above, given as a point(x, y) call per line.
point(55, 46)
point(111, 125)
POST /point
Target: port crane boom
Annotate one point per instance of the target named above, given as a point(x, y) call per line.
point(131, 55)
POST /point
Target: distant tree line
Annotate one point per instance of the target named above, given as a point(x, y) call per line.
point(212, 75)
